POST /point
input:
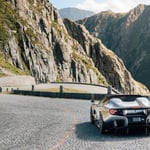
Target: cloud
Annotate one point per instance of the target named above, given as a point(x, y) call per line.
point(114, 5)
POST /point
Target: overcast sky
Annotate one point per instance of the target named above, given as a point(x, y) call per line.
point(100, 5)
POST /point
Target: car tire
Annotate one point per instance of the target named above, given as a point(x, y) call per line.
point(125, 131)
point(146, 130)
point(101, 129)
point(91, 117)
point(101, 125)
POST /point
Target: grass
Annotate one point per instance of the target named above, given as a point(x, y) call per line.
point(66, 90)
point(2, 75)
point(10, 67)
point(7, 92)
point(88, 64)
point(9, 20)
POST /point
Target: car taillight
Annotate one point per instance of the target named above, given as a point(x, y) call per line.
point(112, 111)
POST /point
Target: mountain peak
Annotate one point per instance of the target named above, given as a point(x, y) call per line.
point(75, 13)
point(128, 36)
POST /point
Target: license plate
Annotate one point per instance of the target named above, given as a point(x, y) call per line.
point(137, 119)
point(135, 111)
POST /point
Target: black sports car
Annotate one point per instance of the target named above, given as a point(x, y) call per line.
point(121, 112)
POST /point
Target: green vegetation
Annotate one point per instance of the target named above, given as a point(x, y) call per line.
point(75, 47)
point(79, 57)
point(31, 1)
point(66, 90)
point(10, 20)
point(2, 75)
point(32, 35)
point(87, 62)
point(101, 78)
point(58, 79)
point(60, 30)
point(7, 20)
point(12, 68)
point(38, 7)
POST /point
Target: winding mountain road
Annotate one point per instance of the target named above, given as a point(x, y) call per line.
point(36, 123)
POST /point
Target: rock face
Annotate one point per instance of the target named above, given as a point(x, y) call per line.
point(75, 13)
point(104, 59)
point(38, 43)
point(131, 43)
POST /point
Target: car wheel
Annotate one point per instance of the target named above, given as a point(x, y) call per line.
point(91, 117)
point(126, 131)
point(101, 129)
point(101, 125)
point(146, 130)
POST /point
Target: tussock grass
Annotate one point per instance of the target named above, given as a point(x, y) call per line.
point(66, 90)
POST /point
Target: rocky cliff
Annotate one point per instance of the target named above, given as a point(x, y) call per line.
point(38, 43)
point(35, 41)
point(127, 35)
point(109, 64)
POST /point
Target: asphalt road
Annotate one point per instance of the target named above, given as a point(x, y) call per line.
point(36, 123)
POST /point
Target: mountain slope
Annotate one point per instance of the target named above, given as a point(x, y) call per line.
point(127, 35)
point(39, 44)
point(105, 60)
point(35, 40)
point(75, 13)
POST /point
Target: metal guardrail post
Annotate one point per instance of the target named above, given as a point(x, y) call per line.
point(92, 96)
point(61, 89)
point(0, 89)
point(109, 90)
point(32, 87)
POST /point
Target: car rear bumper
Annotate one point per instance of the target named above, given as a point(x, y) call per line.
point(118, 122)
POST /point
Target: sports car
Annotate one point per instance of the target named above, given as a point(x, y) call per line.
point(121, 112)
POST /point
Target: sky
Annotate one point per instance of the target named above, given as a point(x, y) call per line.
point(100, 5)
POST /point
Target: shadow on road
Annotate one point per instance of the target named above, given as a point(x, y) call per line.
point(88, 131)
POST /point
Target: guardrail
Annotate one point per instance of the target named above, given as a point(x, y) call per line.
point(98, 85)
point(60, 95)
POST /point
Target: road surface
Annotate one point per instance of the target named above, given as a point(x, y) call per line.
point(36, 123)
